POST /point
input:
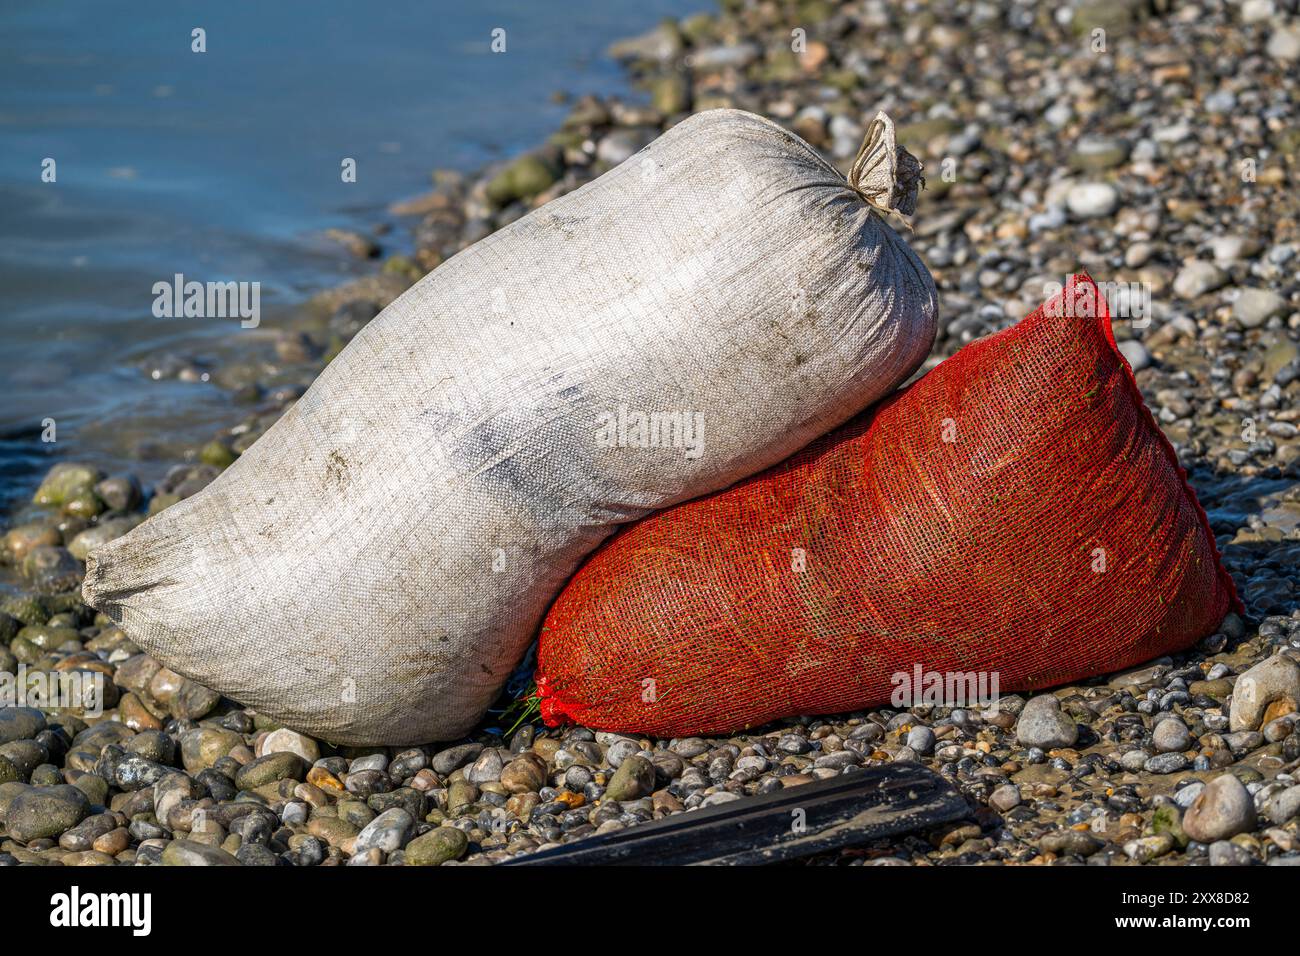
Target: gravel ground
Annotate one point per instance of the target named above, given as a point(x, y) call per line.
point(1164, 164)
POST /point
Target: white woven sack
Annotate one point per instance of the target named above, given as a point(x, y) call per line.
point(373, 567)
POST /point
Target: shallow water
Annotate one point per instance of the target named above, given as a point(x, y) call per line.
point(225, 165)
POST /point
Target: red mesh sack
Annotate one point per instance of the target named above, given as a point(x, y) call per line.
point(1016, 512)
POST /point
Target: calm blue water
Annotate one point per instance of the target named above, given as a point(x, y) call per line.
point(225, 165)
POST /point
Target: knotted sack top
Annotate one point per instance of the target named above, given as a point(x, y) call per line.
point(884, 174)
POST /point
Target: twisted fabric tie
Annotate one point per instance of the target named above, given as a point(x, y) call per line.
point(884, 174)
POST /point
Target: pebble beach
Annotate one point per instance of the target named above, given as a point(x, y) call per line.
point(1160, 155)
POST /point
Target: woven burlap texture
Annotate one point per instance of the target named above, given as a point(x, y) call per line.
point(371, 569)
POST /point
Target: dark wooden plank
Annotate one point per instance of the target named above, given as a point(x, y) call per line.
point(852, 808)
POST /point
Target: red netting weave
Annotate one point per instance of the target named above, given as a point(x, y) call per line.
point(1016, 510)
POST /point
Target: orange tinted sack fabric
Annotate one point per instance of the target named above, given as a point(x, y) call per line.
point(1015, 512)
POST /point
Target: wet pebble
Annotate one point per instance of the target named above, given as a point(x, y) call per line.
point(387, 832)
point(45, 812)
point(634, 778)
point(1171, 736)
point(1042, 724)
point(1092, 200)
point(1222, 810)
point(436, 847)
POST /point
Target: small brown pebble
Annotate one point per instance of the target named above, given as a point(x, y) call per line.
point(326, 781)
point(113, 842)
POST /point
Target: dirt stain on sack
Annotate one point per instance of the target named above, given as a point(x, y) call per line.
point(336, 470)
